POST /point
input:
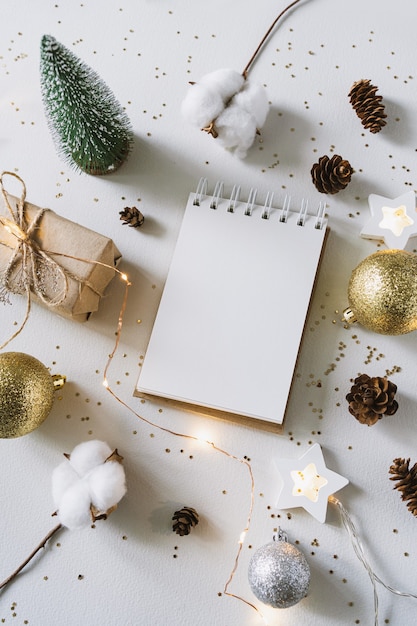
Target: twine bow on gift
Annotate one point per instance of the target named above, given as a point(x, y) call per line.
point(35, 264)
point(30, 269)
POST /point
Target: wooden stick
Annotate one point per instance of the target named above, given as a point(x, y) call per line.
point(265, 37)
point(31, 555)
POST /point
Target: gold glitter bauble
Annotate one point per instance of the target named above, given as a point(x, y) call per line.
point(382, 292)
point(26, 394)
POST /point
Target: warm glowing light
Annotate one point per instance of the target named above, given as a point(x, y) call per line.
point(13, 228)
point(395, 219)
point(316, 482)
point(392, 220)
point(199, 438)
point(308, 482)
point(204, 436)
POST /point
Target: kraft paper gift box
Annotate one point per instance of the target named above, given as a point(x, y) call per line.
point(85, 257)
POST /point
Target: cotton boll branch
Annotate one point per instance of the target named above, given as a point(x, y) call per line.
point(211, 129)
point(87, 487)
point(229, 107)
point(265, 37)
point(31, 555)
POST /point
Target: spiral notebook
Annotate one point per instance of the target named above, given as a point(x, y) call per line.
point(231, 317)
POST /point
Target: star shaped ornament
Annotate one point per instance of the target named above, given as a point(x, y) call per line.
point(393, 221)
point(308, 483)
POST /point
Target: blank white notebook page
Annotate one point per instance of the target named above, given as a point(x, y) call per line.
point(232, 313)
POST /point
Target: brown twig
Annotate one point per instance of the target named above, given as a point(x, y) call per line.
point(265, 37)
point(31, 555)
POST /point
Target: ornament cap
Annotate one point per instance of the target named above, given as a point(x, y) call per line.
point(349, 316)
point(59, 381)
point(280, 535)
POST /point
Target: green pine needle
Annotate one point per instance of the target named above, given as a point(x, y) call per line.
point(89, 127)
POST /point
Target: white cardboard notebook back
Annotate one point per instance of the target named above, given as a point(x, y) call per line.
point(229, 325)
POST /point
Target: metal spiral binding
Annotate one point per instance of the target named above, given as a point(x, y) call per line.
point(235, 196)
point(303, 212)
point(268, 205)
point(251, 201)
point(217, 193)
point(200, 191)
point(285, 208)
point(320, 215)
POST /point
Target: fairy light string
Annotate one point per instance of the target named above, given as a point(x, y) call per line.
point(29, 251)
point(214, 447)
point(174, 433)
point(360, 553)
point(345, 517)
point(23, 239)
point(21, 235)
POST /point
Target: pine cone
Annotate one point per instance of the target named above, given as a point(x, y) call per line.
point(184, 519)
point(371, 398)
point(331, 175)
point(368, 106)
point(406, 482)
point(132, 216)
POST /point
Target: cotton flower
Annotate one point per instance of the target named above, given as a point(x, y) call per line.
point(227, 106)
point(88, 485)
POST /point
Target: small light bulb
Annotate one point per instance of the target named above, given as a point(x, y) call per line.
point(308, 482)
point(395, 219)
point(13, 228)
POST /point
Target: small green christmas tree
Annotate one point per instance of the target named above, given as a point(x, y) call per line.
point(88, 125)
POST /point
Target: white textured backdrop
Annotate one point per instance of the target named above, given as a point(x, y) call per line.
point(132, 569)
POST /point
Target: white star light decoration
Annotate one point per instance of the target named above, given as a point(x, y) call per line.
point(391, 220)
point(308, 483)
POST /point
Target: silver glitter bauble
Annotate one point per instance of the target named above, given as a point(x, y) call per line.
point(279, 574)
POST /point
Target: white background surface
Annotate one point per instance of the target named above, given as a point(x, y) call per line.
point(123, 571)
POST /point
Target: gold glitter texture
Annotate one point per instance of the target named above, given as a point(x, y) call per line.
point(382, 292)
point(26, 394)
